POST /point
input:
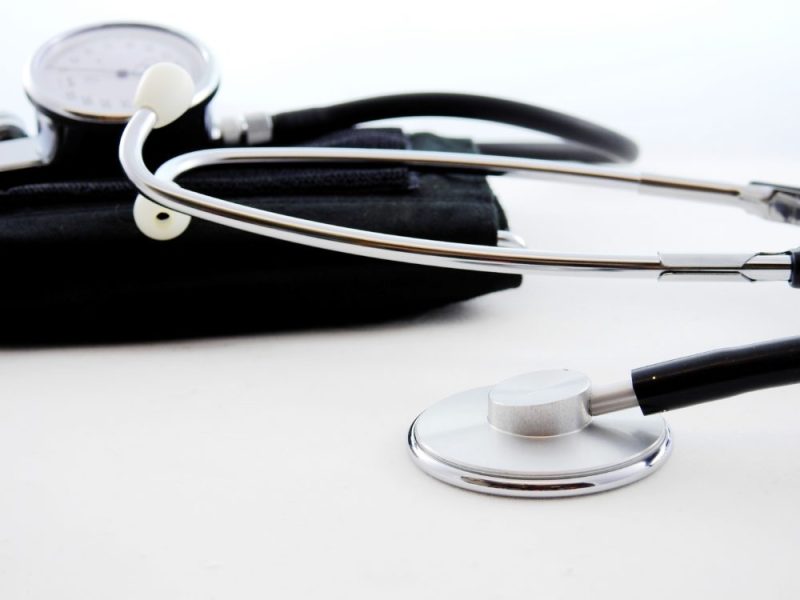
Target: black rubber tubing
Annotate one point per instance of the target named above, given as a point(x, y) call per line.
point(717, 374)
point(302, 125)
point(794, 280)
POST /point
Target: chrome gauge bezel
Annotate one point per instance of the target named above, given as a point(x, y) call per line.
point(55, 106)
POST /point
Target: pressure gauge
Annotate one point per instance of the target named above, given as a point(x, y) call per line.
point(90, 74)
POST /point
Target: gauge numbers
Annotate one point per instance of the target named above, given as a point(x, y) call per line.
point(93, 73)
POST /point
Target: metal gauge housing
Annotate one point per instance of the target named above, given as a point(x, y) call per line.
point(90, 74)
point(82, 84)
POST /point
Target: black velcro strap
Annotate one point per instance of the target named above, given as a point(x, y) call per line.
point(77, 269)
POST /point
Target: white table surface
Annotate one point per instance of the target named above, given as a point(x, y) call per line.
point(275, 465)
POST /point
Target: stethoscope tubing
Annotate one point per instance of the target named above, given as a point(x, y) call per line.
point(585, 139)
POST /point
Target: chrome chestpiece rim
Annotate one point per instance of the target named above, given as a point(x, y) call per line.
point(460, 440)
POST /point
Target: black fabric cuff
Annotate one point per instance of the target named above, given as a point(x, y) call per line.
point(78, 270)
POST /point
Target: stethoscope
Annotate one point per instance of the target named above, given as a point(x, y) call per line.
point(543, 434)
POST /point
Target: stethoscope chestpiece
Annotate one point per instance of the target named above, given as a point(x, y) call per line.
point(533, 436)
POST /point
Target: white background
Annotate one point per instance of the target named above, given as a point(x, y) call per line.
point(275, 465)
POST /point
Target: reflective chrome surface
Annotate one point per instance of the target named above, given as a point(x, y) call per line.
point(162, 189)
point(17, 151)
point(453, 442)
point(250, 129)
point(20, 153)
point(779, 203)
point(612, 397)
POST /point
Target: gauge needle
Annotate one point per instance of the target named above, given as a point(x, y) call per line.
point(121, 73)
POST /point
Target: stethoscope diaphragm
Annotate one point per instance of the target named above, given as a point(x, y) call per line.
point(528, 437)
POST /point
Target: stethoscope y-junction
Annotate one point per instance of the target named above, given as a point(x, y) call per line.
point(549, 433)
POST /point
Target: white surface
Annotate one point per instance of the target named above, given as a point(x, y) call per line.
point(275, 465)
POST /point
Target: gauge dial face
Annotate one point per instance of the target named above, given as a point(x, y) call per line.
point(91, 74)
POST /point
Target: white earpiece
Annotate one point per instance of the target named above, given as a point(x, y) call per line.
point(167, 90)
point(157, 222)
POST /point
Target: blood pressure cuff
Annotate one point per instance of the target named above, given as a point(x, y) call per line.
point(76, 268)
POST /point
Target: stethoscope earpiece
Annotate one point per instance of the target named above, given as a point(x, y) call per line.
point(157, 222)
point(167, 90)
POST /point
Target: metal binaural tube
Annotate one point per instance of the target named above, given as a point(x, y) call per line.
point(161, 188)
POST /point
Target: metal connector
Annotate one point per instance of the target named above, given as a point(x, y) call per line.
point(763, 266)
point(777, 202)
point(612, 397)
point(250, 129)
